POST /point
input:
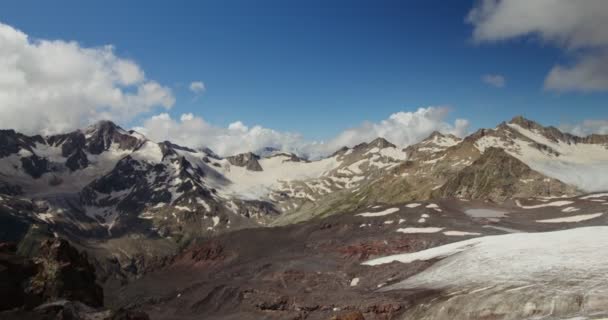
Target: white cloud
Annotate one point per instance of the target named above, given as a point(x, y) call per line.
point(195, 131)
point(197, 87)
point(401, 128)
point(494, 80)
point(579, 27)
point(586, 127)
point(590, 73)
point(50, 86)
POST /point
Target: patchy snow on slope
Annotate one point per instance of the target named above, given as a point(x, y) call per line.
point(570, 209)
point(379, 214)
point(574, 260)
point(63, 180)
point(578, 218)
point(258, 184)
point(413, 205)
point(394, 153)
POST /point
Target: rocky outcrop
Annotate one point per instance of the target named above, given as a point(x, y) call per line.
point(59, 272)
point(78, 160)
point(349, 315)
point(247, 160)
point(59, 283)
point(10, 189)
point(64, 273)
point(35, 166)
point(14, 272)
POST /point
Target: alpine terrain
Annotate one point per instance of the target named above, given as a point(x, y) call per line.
point(506, 223)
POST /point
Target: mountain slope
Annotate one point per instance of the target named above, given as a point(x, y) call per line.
point(498, 176)
point(571, 159)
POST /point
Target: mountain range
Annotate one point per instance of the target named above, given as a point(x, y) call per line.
point(135, 205)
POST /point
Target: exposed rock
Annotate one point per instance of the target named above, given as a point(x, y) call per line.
point(10, 189)
point(350, 315)
point(64, 273)
point(381, 143)
point(35, 166)
point(103, 134)
point(247, 160)
point(11, 142)
point(78, 160)
point(71, 310)
point(14, 272)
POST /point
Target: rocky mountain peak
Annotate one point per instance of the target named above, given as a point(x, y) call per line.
point(105, 126)
point(441, 139)
point(435, 134)
point(102, 134)
point(525, 123)
point(381, 143)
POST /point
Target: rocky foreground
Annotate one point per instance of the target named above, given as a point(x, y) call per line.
point(420, 260)
point(59, 283)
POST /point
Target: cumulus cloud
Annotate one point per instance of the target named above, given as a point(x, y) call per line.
point(195, 131)
point(197, 87)
point(586, 127)
point(494, 80)
point(588, 74)
point(401, 128)
point(51, 86)
point(579, 27)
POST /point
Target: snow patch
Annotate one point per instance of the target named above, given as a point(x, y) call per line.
point(578, 218)
point(419, 230)
point(550, 204)
point(574, 260)
point(379, 214)
point(461, 233)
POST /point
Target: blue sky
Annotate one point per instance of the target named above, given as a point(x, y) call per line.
point(317, 67)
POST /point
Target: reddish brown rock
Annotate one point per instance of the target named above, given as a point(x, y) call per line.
point(350, 315)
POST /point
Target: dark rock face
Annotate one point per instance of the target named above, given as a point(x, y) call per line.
point(72, 310)
point(64, 273)
point(14, 271)
point(78, 160)
point(248, 160)
point(35, 166)
point(9, 189)
point(58, 272)
point(70, 142)
point(11, 142)
point(104, 133)
point(8, 142)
